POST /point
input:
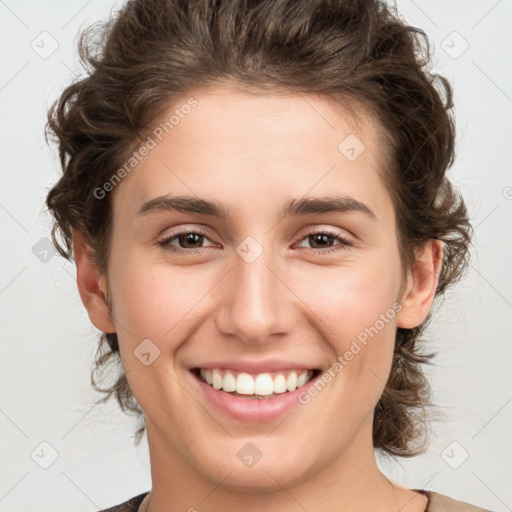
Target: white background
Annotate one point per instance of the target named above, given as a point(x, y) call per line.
point(48, 342)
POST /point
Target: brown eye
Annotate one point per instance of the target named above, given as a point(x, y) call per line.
point(187, 241)
point(189, 238)
point(322, 241)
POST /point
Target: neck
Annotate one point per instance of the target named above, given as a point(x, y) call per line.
point(350, 482)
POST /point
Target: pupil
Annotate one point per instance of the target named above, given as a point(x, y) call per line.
point(321, 237)
point(189, 238)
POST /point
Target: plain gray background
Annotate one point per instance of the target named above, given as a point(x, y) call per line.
point(47, 418)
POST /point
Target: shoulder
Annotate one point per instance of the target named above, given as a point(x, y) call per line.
point(131, 505)
point(441, 503)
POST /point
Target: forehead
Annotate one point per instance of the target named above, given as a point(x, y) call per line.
point(238, 145)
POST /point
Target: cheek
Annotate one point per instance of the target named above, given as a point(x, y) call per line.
point(156, 301)
point(356, 312)
point(353, 296)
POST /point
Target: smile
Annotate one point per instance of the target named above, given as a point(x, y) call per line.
point(256, 386)
point(253, 391)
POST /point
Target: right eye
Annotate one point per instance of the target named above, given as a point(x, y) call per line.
point(184, 238)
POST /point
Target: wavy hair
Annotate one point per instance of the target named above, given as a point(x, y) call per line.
point(154, 51)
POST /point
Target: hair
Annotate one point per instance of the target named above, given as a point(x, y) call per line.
point(152, 52)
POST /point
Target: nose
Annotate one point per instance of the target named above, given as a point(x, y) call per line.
point(255, 303)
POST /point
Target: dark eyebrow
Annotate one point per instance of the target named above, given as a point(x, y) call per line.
point(304, 206)
point(186, 204)
point(325, 204)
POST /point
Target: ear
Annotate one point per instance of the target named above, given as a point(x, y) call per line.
point(91, 284)
point(421, 285)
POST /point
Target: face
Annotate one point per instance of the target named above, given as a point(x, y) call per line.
point(300, 275)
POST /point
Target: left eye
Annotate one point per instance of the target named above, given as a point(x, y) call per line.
point(324, 237)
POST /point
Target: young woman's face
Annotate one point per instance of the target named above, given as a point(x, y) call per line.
point(273, 287)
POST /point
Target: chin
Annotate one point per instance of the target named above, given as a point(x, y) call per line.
point(265, 480)
point(267, 475)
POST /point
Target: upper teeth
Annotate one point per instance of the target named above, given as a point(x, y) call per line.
point(260, 384)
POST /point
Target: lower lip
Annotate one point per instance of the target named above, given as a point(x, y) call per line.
point(252, 409)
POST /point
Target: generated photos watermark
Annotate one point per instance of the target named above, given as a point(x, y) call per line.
point(306, 396)
point(147, 145)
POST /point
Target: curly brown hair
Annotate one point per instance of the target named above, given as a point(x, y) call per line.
point(154, 51)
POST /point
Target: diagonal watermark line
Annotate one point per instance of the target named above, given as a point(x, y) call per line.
point(72, 71)
point(187, 185)
point(303, 97)
point(111, 313)
point(199, 403)
point(301, 300)
point(492, 81)
point(75, 15)
point(486, 14)
point(216, 487)
point(14, 14)
point(14, 218)
point(198, 301)
point(304, 195)
point(425, 485)
point(485, 218)
point(13, 279)
point(287, 492)
point(492, 418)
point(14, 76)
point(80, 490)
point(95, 297)
point(177, 177)
point(14, 485)
point(82, 418)
point(14, 423)
point(377, 377)
point(424, 14)
point(491, 285)
point(491, 490)
point(412, 160)
point(281, 422)
point(73, 276)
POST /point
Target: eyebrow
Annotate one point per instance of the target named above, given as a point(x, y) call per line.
point(295, 207)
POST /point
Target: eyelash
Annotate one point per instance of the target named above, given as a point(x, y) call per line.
point(344, 242)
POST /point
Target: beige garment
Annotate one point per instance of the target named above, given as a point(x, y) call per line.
point(441, 503)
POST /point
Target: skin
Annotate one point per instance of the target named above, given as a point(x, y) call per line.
point(254, 152)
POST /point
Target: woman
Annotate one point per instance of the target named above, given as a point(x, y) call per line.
point(254, 194)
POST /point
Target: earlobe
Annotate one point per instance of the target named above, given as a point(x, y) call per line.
point(91, 284)
point(421, 287)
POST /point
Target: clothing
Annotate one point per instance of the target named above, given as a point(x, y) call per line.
point(436, 503)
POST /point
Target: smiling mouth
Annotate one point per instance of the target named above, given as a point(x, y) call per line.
point(259, 386)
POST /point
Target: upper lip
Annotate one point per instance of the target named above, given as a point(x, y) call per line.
point(255, 366)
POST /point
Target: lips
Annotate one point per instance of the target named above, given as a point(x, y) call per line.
point(251, 390)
